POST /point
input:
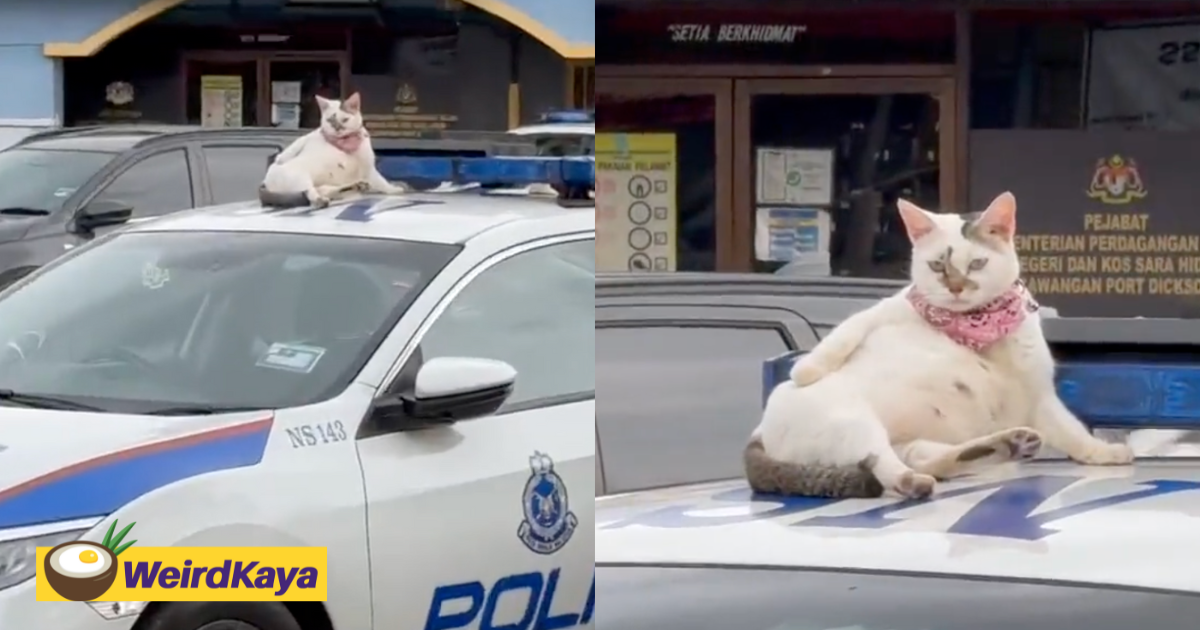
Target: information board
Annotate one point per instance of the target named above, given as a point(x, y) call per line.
point(636, 199)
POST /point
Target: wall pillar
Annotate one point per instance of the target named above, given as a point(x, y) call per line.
point(33, 91)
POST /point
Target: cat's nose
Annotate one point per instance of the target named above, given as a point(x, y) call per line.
point(955, 289)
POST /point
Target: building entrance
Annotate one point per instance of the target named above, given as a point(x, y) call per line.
point(233, 89)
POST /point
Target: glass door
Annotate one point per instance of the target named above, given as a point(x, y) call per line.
point(663, 151)
point(819, 166)
point(293, 85)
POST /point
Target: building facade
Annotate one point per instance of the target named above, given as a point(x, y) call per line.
point(419, 64)
point(776, 132)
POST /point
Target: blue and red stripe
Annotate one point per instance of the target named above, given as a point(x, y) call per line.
point(101, 486)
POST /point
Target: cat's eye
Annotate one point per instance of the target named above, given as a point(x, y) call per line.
point(937, 266)
point(977, 264)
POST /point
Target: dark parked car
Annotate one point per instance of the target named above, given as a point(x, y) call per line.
point(679, 365)
point(61, 188)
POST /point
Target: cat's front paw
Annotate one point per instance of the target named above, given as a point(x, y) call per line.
point(1105, 454)
point(808, 371)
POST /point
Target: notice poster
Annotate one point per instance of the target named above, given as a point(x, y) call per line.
point(635, 202)
point(220, 101)
point(785, 234)
point(795, 177)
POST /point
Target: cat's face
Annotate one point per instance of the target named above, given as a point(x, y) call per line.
point(961, 262)
point(341, 118)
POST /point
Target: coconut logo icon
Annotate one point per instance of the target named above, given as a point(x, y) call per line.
point(82, 571)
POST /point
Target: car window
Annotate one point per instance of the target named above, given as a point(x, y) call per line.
point(40, 181)
point(535, 311)
point(559, 145)
point(235, 172)
point(148, 321)
point(679, 401)
point(661, 598)
point(159, 184)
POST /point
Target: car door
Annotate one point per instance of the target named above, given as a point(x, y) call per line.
point(682, 388)
point(456, 541)
point(233, 172)
point(157, 184)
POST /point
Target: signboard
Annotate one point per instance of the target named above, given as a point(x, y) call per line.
point(1108, 222)
point(635, 202)
point(735, 33)
point(220, 101)
point(1144, 78)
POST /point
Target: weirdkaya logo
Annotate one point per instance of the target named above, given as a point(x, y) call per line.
point(82, 571)
point(1116, 181)
point(85, 571)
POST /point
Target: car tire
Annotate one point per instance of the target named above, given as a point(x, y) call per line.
point(221, 616)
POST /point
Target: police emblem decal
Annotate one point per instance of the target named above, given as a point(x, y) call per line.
point(549, 523)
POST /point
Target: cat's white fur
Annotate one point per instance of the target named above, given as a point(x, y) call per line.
point(314, 167)
point(887, 388)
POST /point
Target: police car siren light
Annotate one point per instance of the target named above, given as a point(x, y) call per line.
point(1119, 395)
point(569, 116)
point(515, 171)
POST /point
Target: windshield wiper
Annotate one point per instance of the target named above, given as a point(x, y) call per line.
point(197, 410)
point(38, 401)
point(25, 212)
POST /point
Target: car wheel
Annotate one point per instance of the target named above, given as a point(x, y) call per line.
point(221, 616)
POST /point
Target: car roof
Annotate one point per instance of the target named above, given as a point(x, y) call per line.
point(1040, 521)
point(450, 218)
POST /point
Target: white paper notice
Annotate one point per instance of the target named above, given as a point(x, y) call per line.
point(796, 177)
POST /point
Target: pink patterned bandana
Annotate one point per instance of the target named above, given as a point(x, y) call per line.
point(978, 328)
point(348, 144)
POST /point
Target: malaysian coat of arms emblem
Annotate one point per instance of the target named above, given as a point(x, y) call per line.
point(549, 522)
point(1116, 181)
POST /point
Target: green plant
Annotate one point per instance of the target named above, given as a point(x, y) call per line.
point(114, 543)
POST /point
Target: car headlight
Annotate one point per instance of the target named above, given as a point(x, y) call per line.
point(18, 558)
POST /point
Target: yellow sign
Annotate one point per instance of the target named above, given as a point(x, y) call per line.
point(86, 571)
point(1116, 181)
point(636, 202)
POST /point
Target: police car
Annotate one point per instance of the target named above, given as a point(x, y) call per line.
point(407, 381)
point(1047, 544)
point(562, 133)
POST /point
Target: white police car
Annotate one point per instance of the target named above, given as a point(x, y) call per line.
point(1042, 545)
point(341, 378)
point(1050, 546)
point(562, 133)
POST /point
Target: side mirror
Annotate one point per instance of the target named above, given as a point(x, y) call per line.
point(103, 213)
point(446, 390)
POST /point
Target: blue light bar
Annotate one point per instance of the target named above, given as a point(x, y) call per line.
point(1102, 395)
point(569, 116)
point(572, 172)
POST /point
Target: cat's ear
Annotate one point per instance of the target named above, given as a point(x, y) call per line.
point(353, 103)
point(917, 222)
point(322, 102)
point(1000, 218)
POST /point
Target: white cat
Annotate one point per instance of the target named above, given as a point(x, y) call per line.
point(335, 158)
point(949, 374)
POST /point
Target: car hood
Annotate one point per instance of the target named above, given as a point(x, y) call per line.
point(15, 228)
point(63, 466)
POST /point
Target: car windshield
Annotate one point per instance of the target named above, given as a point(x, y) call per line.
point(148, 322)
point(38, 181)
point(663, 598)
